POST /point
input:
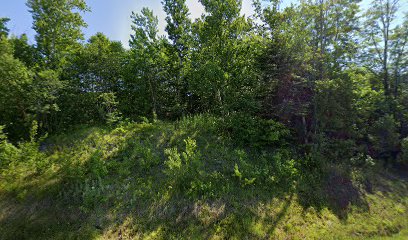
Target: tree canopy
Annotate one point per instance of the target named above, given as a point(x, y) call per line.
point(330, 71)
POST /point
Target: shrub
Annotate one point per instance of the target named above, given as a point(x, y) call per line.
point(96, 165)
point(268, 170)
point(26, 153)
point(362, 160)
point(404, 151)
point(384, 137)
point(331, 150)
point(17, 163)
point(243, 180)
point(184, 167)
point(107, 108)
point(245, 129)
point(8, 151)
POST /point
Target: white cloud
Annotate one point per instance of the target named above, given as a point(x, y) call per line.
point(196, 10)
point(247, 8)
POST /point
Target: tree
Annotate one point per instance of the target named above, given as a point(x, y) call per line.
point(24, 95)
point(399, 55)
point(145, 75)
point(287, 93)
point(223, 77)
point(378, 31)
point(178, 26)
point(25, 52)
point(333, 28)
point(95, 70)
point(179, 32)
point(399, 68)
point(309, 47)
point(98, 65)
point(3, 29)
point(58, 25)
point(14, 89)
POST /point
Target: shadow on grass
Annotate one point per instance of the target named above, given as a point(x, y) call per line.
point(136, 199)
point(335, 190)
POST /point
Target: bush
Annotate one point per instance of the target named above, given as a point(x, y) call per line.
point(26, 153)
point(404, 151)
point(385, 138)
point(8, 151)
point(362, 160)
point(184, 167)
point(18, 163)
point(245, 129)
point(331, 150)
point(107, 108)
point(267, 170)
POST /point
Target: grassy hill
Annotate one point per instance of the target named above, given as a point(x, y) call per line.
point(191, 179)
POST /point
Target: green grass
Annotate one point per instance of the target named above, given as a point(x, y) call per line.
point(188, 180)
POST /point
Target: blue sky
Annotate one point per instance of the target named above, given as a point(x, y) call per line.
point(112, 17)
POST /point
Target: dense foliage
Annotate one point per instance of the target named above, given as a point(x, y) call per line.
point(301, 100)
point(327, 70)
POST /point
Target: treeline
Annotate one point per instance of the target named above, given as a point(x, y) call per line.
point(335, 74)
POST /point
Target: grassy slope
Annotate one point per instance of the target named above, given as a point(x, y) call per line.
point(98, 183)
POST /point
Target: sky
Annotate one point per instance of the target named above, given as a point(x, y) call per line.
point(111, 17)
